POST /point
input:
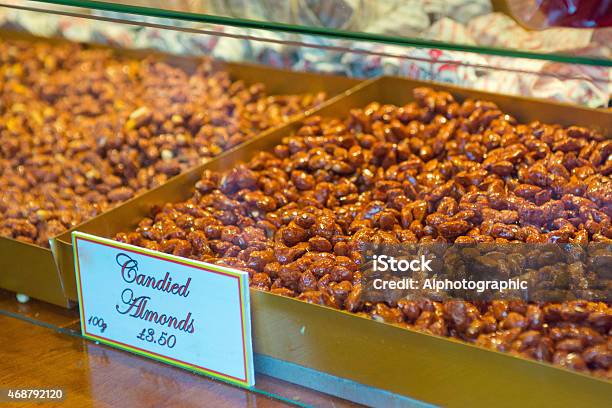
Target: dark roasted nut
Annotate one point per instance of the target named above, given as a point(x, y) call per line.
point(292, 234)
point(354, 301)
point(410, 309)
point(570, 345)
point(387, 314)
point(321, 244)
point(453, 229)
point(569, 360)
point(307, 282)
point(120, 194)
point(341, 273)
point(340, 291)
point(598, 356)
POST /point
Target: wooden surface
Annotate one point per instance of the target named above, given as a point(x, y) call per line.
point(40, 347)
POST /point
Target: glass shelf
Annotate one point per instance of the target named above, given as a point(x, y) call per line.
point(457, 26)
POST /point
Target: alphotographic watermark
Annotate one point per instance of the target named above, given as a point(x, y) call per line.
point(487, 271)
point(445, 285)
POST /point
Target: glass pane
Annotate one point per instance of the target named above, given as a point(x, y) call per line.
point(479, 26)
point(583, 84)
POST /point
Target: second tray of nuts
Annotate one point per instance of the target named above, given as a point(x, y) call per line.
point(83, 129)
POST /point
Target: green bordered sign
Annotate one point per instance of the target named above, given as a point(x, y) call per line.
point(179, 311)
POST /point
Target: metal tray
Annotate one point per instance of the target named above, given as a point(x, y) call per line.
point(432, 369)
point(30, 269)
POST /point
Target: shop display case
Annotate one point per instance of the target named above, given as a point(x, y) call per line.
point(354, 53)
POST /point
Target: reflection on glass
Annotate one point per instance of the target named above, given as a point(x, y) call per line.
point(574, 83)
point(485, 26)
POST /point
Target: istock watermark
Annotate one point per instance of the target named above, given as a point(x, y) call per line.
point(384, 263)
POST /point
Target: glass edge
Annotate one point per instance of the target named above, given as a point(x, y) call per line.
point(320, 31)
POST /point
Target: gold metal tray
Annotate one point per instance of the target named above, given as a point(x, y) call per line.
point(30, 269)
point(432, 369)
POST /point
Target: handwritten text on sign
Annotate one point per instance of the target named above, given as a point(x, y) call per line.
point(183, 312)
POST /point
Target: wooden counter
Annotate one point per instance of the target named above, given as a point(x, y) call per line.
point(40, 347)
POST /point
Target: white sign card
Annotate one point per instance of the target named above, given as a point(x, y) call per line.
point(180, 311)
